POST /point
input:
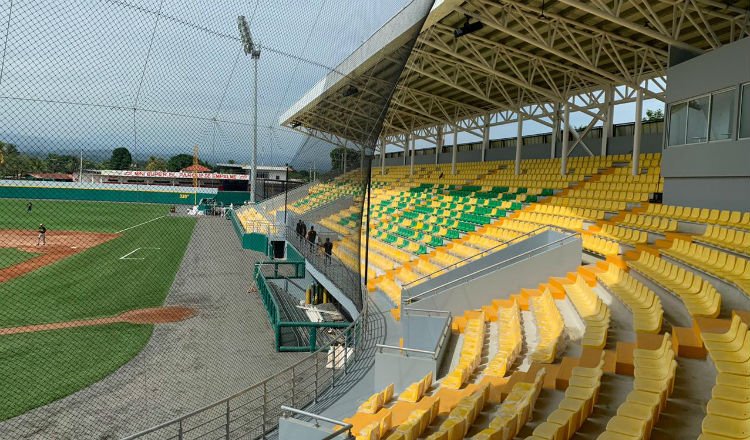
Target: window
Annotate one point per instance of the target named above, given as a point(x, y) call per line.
point(697, 124)
point(745, 112)
point(722, 115)
point(677, 123)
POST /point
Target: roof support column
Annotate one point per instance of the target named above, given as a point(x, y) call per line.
point(411, 158)
point(455, 150)
point(608, 115)
point(406, 147)
point(439, 146)
point(485, 136)
point(555, 130)
point(382, 157)
point(566, 139)
point(519, 142)
point(637, 131)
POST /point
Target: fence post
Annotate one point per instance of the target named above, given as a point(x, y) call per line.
point(263, 428)
point(333, 370)
point(315, 397)
point(293, 383)
point(179, 430)
point(227, 427)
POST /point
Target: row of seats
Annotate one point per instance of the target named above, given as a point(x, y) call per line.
point(644, 304)
point(581, 202)
point(623, 235)
point(462, 416)
point(549, 325)
point(575, 408)
point(510, 341)
point(582, 213)
point(649, 223)
point(593, 311)
point(599, 245)
point(414, 392)
point(514, 412)
point(654, 375)
point(471, 354)
point(548, 219)
point(607, 194)
point(734, 219)
point(726, 238)
point(699, 296)
point(728, 267)
point(416, 423)
point(727, 414)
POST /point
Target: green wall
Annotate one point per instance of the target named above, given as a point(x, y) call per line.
point(101, 195)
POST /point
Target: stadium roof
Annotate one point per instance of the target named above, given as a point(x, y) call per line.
point(523, 56)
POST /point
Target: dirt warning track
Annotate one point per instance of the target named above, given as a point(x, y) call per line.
point(60, 244)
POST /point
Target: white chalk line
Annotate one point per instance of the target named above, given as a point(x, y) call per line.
point(140, 224)
point(128, 255)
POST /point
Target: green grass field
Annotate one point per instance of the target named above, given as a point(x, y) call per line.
point(12, 256)
point(44, 366)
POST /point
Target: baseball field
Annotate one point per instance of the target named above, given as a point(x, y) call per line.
point(78, 308)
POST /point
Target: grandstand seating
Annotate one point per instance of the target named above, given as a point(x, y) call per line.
point(423, 225)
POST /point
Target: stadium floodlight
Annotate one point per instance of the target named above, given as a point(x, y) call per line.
point(252, 49)
point(468, 28)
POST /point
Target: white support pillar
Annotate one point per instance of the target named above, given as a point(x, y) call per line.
point(411, 156)
point(555, 130)
point(485, 136)
point(454, 151)
point(519, 143)
point(637, 131)
point(406, 147)
point(382, 157)
point(566, 139)
point(439, 141)
point(609, 93)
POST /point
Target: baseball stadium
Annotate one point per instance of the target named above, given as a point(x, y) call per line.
point(396, 220)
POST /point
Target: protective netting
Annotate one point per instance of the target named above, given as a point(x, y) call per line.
point(129, 288)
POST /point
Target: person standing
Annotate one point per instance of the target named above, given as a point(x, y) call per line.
point(304, 231)
point(42, 239)
point(299, 229)
point(311, 237)
point(328, 248)
point(28, 207)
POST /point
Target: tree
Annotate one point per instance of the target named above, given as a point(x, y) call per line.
point(337, 157)
point(61, 163)
point(231, 162)
point(10, 159)
point(654, 115)
point(156, 164)
point(121, 159)
point(178, 162)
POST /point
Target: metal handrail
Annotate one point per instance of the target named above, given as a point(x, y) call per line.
point(409, 300)
point(177, 422)
point(414, 350)
point(314, 416)
point(503, 245)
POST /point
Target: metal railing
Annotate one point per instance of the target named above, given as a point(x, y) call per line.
point(476, 256)
point(514, 259)
point(274, 310)
point(433, 354)
point(254, 412)
point(343, 427)
point(330, 266)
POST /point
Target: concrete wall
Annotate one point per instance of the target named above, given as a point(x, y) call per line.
point(479, 282)
point(714, 174)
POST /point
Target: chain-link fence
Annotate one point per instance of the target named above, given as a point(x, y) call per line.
point(126, 137)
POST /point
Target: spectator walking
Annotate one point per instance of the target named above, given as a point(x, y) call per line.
point(328, 248)
point(299, 230)
point(42, 239)
point(304, 231)
point(311, 237)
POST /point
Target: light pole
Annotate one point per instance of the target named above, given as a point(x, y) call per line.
point(253, 50)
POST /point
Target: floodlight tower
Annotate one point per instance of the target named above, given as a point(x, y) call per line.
point(253, 50)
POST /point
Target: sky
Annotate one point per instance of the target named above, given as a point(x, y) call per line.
point(160, 76)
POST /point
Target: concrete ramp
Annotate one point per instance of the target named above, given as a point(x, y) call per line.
point(520, 265)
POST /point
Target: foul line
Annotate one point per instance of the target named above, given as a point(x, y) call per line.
point(140, 224)
point(126, 256)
